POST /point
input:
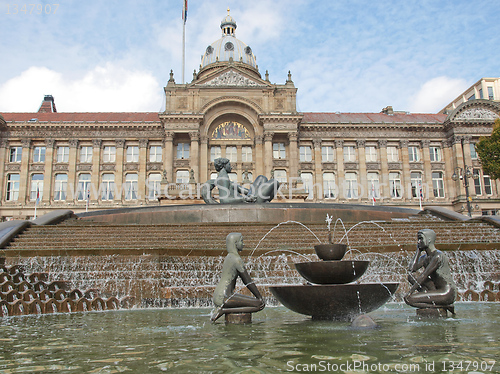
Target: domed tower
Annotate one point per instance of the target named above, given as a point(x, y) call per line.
point(228, 49)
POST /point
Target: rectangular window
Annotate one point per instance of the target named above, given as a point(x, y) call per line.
point(327, 154)
point(155, 153)
point(62, 154)
point(435, 154)
point(305, 154)
point(39, 154)
point(83, 192)
point(215, 153)
point(16, 154)
point(132, 153)
point(182, 151)
point(329, 185)
point(246, 154)
point(490, 93)
point(371, 154)
point(232, 153)
point(349, 154)
point(109, 154)
point(307, 179)
point(86, 155)
point(108, 186)
point(487, 185)
point(416, 184)
point(351, 185)
point(392, 154)
point(154, 187)
point(279, 150)
point(182, 177)
point(438, 184)
point(481, 93)
point(414, 154)
point(395, 185)
point(477, 181)
point(473, 153)
point(60, 187)
point(373, 185)
point(280, 176)
point(36, 190)
point(12, 187)
point(131, 186)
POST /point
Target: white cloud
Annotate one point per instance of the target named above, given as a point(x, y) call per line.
point(108, 88)
point(436, 93)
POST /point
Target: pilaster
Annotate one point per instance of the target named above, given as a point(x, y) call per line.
point(72, 180)
point(294, 157)
point(168, 155)
point(194, 158)
point(406, 177)
point(4, 146)
point(384, 169)
point(48, 175)
point(268, 152)
point(120, 146)
point(259, 156)
point(339, 153)
point(142, 189)
point(427, 180)
point(318, 175)
point(24, 173)
point(95, 178)
point(360, 144)
point(203, 158)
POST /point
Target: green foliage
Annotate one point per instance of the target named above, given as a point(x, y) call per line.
point(488, 150)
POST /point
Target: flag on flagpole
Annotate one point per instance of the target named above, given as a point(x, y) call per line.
point(88, 199)
point(421, 195)
point(37, 195)
point(373, 194)
point(185, 11)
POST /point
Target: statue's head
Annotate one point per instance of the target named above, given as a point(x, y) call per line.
point(222, 163)
point(426, 238)
point(234, 242)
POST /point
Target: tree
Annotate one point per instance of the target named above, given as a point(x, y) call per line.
point(488, 150)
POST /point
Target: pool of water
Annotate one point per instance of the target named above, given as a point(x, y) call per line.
point(278, 340)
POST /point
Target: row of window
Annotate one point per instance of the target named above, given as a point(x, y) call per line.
point(108, 154)
point(83, 188)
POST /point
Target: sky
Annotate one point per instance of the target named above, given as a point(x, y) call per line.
point(344, 55)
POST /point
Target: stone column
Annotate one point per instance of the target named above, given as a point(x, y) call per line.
point(268, 153)
point(294, 156)
point(406, 177)
point(318, 175)
point(427, 178)
point(72, 178)
point(468, 162)
point(340, 180)
point(203, 159)
point(360, 144)
point(384, 170)
point(4, 146)
point(120, 145)
point(24, 173)
point(259, 156)
point(48, 176)
point(168, 156)
point(142, 187)
point(449, 184)
point(95, 178)
point(194, 158)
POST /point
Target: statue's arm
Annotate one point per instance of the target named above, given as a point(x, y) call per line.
point(247, 280)
point(417, 262)
point(430, 268)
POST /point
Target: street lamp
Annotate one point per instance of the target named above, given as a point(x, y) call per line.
point(464, 174)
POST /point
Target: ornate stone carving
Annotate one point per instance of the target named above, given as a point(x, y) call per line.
point(437, 166)
point(154, 166)
point(84, 167)
point(329, 165)
point(120, 143)
point(268, 136)
point(258, 139)
point(446, 143)
point(26, 143)
point(416, 166)
point(4, 143)
point(97, 143)
point(292, 136)
point(280, 163)
point(306, 166)
point(476, 113)
point(317, 143)
point(181, 163)
point(394, 166)
point(73, 143)
point(425, 143)
point(350, 165)
point(131, 166)
point(231, 78)
point(466, 139)
point(107, 167)
point(404, 143)
point(169, 136)
point(143, 143)
point(194, 135)
point(382, 143)
point(360, 143)
point(13, 167)
point(373, 166)
point(204, 139)
point(61, 167)
point(339, 143)
point(182, 103)
point(37, 167)
point(455, 139)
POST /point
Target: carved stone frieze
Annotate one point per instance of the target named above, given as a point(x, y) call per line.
point(360, 143)
point(382, 143)
point(107, 167)
point(373, 166)
point(26, 143)
point(437, 166)
point(143, 143)
point(13, 167)
point(339, 143)
point(96, 143)
point(404, 143)
point(350, 165)
point(154, 166)
point(84, 167)
point(73, 143)
point(131, 166)
point(329, 165)
point(280, 163)
point(306, 166)
point(49, 143)
point(37, 167)
point(280, 126)
point(178, 163)
point(317, 143)
point(416, 166)
point(476, 114)
point(4, 143)
point(394, 165)
point(232, 78)
point(120, 143)
point(61, 167)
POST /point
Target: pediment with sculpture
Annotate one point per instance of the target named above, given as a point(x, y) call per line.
point(476, 110)
point(232, 78)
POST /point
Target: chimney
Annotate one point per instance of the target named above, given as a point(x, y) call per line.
point(48, 105)
point(388, 110)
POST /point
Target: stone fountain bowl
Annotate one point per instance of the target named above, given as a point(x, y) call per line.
point(330, 252)
point(334, 301)
point(332, 272)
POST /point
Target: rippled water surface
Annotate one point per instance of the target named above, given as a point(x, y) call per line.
point(278, 340)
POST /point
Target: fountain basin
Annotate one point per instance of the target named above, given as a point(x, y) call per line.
point(340, 301)
point(329, 252)
point(332, 272)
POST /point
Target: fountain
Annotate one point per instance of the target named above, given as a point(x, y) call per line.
point(329, 293)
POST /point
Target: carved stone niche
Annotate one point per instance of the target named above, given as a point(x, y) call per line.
point(179, 163)
point(280, 163)
point(13, 167)
point(437, 166)
point(416, 166)
point(61, 167)
point(131, 167)
point(373, 166)
point(107, 167)
point(154, 166)
point(37, 167)
point(306, 166)
point(329, 165)
point(394, 166)
point(350, 165)
point(84, 167)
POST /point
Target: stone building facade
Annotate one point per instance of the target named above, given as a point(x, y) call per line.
point(89, 161)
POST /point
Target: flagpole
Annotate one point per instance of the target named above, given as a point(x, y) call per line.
point(183, 49)
point(36, 203)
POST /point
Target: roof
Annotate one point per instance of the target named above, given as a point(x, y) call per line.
point(313, 118)
point(83, 117)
